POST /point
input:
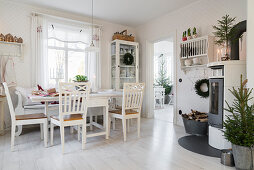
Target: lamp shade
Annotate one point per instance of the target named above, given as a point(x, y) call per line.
point(92, 49)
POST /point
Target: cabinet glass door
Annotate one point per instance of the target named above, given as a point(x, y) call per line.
point(113, 66)
point(127, 64)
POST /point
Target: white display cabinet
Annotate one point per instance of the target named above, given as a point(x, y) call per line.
point(122, 72)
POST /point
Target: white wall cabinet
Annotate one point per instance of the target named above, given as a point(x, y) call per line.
point(121, 72)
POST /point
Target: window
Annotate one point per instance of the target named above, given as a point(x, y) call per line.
point(66, 54)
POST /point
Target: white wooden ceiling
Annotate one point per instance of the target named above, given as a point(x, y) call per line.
point(126, 12)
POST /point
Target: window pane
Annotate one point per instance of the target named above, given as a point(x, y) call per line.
point(76, 64)
point(56, 66)
point(55, 43)
point(80, 46)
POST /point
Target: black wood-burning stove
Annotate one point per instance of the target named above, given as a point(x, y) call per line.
point(215, 115)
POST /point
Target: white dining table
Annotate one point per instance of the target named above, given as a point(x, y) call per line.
point(96, 99)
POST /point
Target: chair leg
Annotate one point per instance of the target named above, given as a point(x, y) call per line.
point(91, 120)
point(62, 137)
point(84, 135)
point(106, 122)
point(18, 133)
point(45, 131)
point(128, 125)
point(109, 124)
point(41, 129)
point(124, 129)
point(78, 132)
point(71, 129)
point(51, 133)
point(114, 123)
point(12, 136)
point(138, 126)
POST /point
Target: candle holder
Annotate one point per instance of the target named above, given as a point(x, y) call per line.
point(57, 75)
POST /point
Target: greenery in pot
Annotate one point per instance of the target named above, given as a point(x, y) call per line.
point(184, 38)
point(223, 32)
point(239, 128)
point(80, 78)
point(194, 32)
point(163, 80)
point(189, 33)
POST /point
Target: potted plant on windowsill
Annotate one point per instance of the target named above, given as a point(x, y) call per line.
point(80, 78)
point(239, 128)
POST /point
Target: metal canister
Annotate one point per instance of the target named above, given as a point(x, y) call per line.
point(227, 157)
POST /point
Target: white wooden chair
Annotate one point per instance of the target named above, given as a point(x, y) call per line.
point(25, 106)
point(159, 94)
point(28, 119)
point(131, 106)
point(72, 109)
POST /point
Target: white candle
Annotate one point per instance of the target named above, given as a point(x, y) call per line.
point(218, 54)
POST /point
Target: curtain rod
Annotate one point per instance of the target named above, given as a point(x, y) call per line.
point(66, 19)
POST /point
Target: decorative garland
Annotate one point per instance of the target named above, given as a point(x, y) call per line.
point(128, 59)
point(198, 90)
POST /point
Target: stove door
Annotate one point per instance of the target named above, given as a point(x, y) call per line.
point(215, 116)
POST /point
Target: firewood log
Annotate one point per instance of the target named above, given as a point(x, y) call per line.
point(202, 120)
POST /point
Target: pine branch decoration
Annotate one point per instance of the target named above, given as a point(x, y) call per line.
point(223, 30)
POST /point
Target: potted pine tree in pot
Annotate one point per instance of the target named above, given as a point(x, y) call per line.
point(223, 34)
point(163, 80)
point(239, 128)
point(189, 34)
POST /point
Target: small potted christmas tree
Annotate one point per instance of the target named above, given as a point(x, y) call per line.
point(194, 33)
point(223, 34)
point(239, 127)
point(189, 34)
point(184, 38)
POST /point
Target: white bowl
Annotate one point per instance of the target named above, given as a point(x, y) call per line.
point(188, 62)
point(196, 61)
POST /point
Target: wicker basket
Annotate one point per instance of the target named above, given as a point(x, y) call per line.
point(123, 36)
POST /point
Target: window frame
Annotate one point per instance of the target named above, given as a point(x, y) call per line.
point(66, 50)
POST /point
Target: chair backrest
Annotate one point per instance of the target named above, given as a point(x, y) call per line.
point(73, 98)
point(159, 92)
point(132, 96)
point(10, 104)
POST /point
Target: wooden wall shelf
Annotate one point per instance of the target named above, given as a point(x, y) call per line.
point(11, 49)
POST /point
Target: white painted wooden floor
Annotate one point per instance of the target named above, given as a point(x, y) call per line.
point(157, 149)
point(165, 114)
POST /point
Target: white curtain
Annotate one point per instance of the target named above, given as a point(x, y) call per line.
point(75, 34)
point(39, 50)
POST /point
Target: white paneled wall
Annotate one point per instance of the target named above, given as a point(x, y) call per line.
point(202, 15)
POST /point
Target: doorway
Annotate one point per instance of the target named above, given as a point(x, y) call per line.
point(163, 80)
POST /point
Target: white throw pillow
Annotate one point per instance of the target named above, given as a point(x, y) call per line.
point(24, 93)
